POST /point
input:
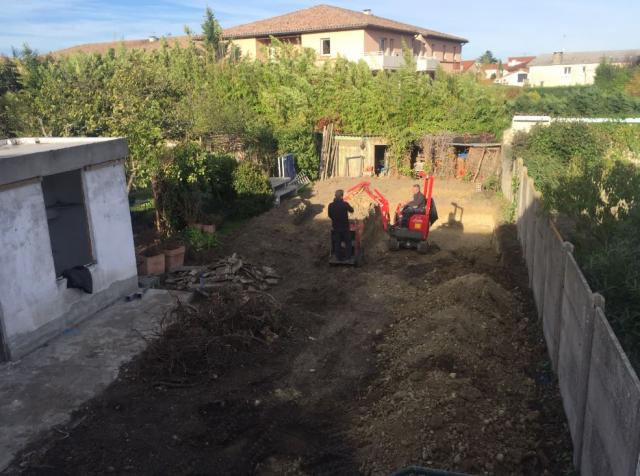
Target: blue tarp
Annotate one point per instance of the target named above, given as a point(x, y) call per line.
point(288, 166)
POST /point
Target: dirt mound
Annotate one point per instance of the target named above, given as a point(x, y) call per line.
point(198, 340)
point(362, 205)
point(479, 292)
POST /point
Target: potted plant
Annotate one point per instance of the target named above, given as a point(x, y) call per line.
point(174, 251)
point(152, 261)
point(209, 223)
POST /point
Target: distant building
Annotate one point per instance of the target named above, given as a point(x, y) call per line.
point(484, 71)
point(573, 69)
point(515, 71)
point(337, 32)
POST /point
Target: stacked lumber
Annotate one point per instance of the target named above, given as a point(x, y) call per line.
point(232, 271)
point(329, 153)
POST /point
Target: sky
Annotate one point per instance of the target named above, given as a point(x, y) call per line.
point(507, 28)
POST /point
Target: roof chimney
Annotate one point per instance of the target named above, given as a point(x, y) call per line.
point(367, 11)
point(557, 57)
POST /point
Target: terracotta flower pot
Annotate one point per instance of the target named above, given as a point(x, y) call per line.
point(174, 257)
point(207, 228)
point(152, 265)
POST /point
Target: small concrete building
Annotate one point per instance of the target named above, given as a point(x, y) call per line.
point(63, 206)
point(360, 156)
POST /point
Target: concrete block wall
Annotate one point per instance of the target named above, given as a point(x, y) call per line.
point(600, 390)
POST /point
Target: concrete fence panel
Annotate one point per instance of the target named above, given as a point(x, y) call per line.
point(522, 177)
point(574, 354)
point(541, 232)
point(532, 217)
point(556, 252)
point(522, 222)
point(507, 172)
point(611, 441)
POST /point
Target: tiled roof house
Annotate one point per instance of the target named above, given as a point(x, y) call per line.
point(334, 31)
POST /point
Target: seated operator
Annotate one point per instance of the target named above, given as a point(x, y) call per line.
point(417, 205)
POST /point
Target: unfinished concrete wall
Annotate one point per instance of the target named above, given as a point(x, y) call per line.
point(110, 224)
point(36, 305)
point(599, 388)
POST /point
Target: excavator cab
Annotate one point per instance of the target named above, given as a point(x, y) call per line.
point(411, 226)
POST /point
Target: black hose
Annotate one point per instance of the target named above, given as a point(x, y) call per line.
point(411, 470)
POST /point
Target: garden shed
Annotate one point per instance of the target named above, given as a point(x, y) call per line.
point(361, 155)
point(66, 244)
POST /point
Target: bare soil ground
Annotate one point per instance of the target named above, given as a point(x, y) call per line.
point(432, 359)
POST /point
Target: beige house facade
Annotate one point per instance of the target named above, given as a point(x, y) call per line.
point(575, 69)
point(334, 32)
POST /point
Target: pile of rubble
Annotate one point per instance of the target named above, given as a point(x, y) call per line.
point(233, 271)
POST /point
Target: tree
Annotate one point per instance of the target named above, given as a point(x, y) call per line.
point(610, 77)
point(212, 32)
point(487, 58)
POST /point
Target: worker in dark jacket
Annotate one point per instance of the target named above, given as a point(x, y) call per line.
point(417, 205)
point(339, 213)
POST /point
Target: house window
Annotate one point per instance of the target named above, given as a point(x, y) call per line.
point(326, 46)
point(567, 70)
point(391, 46)
point(522, 77)
point(67, 220)
point(383, 45)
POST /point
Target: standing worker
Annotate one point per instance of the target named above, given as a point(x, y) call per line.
point(341, 233)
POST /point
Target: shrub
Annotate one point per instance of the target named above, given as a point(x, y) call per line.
point(190, 184)
point(252, 189)
point(198, 240)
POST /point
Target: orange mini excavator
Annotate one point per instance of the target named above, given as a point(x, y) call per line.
point(410, 227)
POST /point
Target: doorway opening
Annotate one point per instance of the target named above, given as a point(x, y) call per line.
point(67, 220)
point(380, 158)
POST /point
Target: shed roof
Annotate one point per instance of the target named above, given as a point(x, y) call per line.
point(587, 57)
point(327, 18)
point(29, 157)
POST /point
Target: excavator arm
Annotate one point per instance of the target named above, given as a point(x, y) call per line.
point(381, 202)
